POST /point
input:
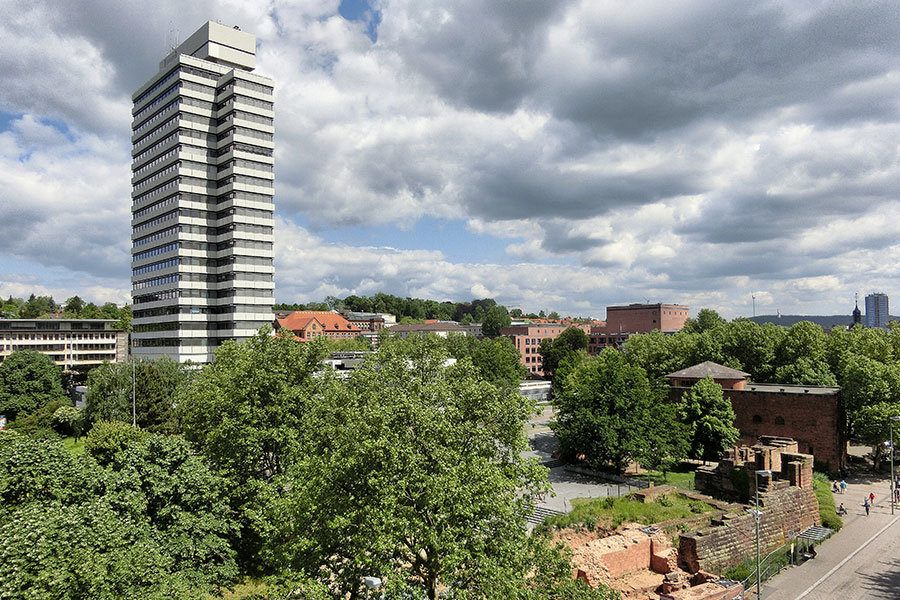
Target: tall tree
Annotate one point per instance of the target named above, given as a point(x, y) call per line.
point(565, 346)
point(605, 410)
point(244, 412)
point(705, 320)
point(28, 380)
point(495, 319)
point(709, 418)
point(415, 474)
point(156, 382)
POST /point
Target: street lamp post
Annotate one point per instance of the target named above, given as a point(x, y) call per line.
point(133, 403)
point(758, 515)
point(893, 481)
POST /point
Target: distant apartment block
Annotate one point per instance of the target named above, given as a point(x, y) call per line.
point(624, 321)
point(202, 198)
point(311, 324)
point(74, 344)
point(877, 311)
point(527, 340)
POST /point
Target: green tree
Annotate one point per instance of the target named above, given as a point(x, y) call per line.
point(244, 413)
point(495, 319)
point(109, 396)
point(11, 308)
point(415, 473)
point(107, 439)
point(709, 417)
point(801, 356)
point(496, 359)
point(873, 426)
point(152, 525)
point(73, 306)
point(160, 479)
point(751, 347)
point(69, 420)
point(605, 410)
point(705, 320)
point(38, 306)
point(28, 380)
point(568, 343)
point(657, 353)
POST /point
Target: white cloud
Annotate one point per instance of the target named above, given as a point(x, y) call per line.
point(619, 151)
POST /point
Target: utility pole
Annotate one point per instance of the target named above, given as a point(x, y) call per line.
point(133, 403)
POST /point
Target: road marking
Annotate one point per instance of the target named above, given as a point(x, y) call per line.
point(843, 562)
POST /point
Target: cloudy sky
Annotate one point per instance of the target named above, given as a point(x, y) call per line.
point(556, 155)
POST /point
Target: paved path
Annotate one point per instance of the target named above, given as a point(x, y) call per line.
point(862, 561)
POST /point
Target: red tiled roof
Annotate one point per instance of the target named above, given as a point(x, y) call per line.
point(331, 322)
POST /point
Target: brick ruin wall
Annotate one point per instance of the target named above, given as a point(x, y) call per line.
point(785, 510)
point(815, 420)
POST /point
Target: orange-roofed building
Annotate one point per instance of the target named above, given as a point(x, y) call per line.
point(309, 324)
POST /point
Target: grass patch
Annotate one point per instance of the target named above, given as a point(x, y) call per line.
point(681, 477)
point(612, 512)
point(827, 511)
point(770, 565)
point(74, 448)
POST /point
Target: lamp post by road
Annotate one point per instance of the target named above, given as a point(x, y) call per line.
point(893, 481)
point(758, 515)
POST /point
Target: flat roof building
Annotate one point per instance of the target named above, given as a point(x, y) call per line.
point(624, 321)
point(74, 344)
point(202, 198)
point(877, 310)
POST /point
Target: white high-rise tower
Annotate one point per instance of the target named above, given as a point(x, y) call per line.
point(202, 201)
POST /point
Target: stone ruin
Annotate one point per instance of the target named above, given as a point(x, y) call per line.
point(786, 500)
point(641, 562)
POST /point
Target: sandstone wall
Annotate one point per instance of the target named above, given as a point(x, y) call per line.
point(785, 509)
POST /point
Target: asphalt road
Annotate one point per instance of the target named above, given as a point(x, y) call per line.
point(862, 561)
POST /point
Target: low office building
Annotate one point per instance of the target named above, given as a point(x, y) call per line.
point(74, 344)
point(438, 328)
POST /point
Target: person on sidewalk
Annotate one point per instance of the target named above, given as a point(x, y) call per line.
point(841, 511)
point(872, 498)
point(866, 505)
point(843, 486)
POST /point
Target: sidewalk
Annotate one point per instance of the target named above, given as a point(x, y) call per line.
point(795, 582)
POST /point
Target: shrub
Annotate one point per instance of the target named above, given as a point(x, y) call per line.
point(108, 438)
point(40, 422)
point(827, 511)
point(69, 420)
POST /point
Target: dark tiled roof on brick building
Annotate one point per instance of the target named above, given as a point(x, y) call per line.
point(708, 368)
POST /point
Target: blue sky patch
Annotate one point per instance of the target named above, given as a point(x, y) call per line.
point(361, 10)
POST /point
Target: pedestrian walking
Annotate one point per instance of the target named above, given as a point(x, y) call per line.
point(871, 497)
point(835, 487)
point(843, 486)
point(866, 505)
point(896, 494)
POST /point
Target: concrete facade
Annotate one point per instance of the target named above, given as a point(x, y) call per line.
point(202, 198)
point(74, 344)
